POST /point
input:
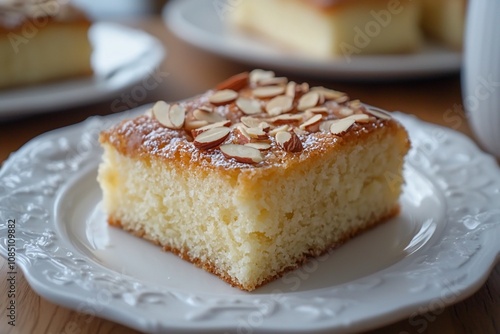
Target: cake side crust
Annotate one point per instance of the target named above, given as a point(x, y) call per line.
point(206, 265)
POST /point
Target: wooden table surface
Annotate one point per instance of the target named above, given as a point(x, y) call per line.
point(187, 71)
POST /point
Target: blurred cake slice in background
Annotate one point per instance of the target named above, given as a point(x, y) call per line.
point(333, 27)
point(444, 21)
point(42, 41)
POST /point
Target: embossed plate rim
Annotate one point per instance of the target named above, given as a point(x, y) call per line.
point(445, 272)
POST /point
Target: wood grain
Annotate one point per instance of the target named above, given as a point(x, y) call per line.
point(191, 71)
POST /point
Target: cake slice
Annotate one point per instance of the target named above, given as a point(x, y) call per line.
point(252, 178)
point(444, 21)
point(41, 42)
point(332, 27)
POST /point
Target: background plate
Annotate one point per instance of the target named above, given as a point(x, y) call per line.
point(440, 249)
point(122, 57)
point(203, 24)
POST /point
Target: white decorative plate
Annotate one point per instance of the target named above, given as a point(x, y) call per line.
point(121, 58)
point(203, 24)
point(438, 251)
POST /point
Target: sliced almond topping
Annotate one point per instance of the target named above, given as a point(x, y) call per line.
point(355, 104)
point(379, 114)
point(257, 133)
point(242, 153)
point(260, 146)
point(307, 101)
point(273, 81)
point(223, 97)
point(287, 119)
point(258, 75)
point(206, 108)
point(177, 115)
point(279, 105)
point(341, 125)
point(274, 131)
point(160, 112)
point(149, 113)
point(328, 94)
point(250, 121)
point(248, 106)
point(197, 131)
point(241, 135)
point(194, 124)
point(264, 126)
point(304, 87)
point(210, 117)
point(359, 118)
point(312, 124)
point(318, 110)
point(236, 82)
point(268, 91)
point(342, 99)
point(211, 138)
point(288, 141)
point(299, 131)
point(325, 126)
point(290, 89)
point(344, 112)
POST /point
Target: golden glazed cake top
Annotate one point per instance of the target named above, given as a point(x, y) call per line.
point(250, 120)
point(15, 13)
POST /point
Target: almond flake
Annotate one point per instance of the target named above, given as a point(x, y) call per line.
point(250, 121)
point(318, 110)
point(177, 115)
point(288, 141)
point(264, 126)
point(359, 118)
point(194, 124)
point(304, 87)
point(328, 94)
point(274, 131)
point(241, 135)
point(196, 132)
point(210, 117)
point(273, 81)
point(355, 104)
point(268, 91)
point(325, 126)
point(149, 113)
point(307, 101)
point(379, 114)
point(248, 106)
point(257, 133)
point(259, 146)
point(299, 131)
point(287, 119)
point(223, 97)
point(312, 124)
point(242, 153)
point(258, 75)
point(236, 82)
point(211, 138)
point(341, 125)
point(279, 105)
point(290, 89)
point(160, 112)
point(344, 112)
point(206, 108)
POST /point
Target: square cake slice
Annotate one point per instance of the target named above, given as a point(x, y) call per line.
point(332, 27)
point(42, 41)
point(252, 178)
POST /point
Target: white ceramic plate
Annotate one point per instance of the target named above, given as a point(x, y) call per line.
point(203, 24)
point(438, 251)
point(122, 57)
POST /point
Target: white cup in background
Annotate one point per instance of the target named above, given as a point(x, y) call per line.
point(481, 72)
